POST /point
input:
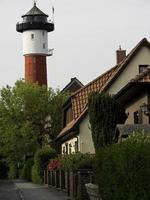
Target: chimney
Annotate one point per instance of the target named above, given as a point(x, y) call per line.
point(120, 54)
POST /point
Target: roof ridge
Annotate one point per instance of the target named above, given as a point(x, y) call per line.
point(71, 82)
point(113, 68)
point(116, 66)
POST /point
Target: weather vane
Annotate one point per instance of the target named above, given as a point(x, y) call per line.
point(34, 2)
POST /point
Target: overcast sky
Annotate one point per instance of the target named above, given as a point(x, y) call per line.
point(87, 34)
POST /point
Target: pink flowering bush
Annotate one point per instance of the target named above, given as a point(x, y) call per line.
point(54, 164)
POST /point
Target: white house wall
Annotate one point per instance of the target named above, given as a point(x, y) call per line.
point(86, 142)
point(142, 58)
point(135, 106)
point(84, 139)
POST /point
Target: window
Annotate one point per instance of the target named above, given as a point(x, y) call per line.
point(66, 148)
point(76, 146)
point(43, 33)
point(142, 68)
point(43, 45)
point(70, 148)
point(34, 59)
point(32, 36)
point(68, 116)
point(138, 117)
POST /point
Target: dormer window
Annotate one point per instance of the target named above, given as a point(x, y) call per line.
point(142, 68)
point(68, 116)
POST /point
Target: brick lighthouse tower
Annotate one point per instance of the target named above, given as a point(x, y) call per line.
point(35, 28)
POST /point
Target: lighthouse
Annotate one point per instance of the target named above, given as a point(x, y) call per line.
point(34, 28)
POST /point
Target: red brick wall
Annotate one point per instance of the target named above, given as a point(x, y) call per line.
point(35, 69)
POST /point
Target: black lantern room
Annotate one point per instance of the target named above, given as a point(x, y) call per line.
point(35, 19)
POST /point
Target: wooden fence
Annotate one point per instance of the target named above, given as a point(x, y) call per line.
point(73, 182)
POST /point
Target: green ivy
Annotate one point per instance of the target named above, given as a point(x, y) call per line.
point(104, 114)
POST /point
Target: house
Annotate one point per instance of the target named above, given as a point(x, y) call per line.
point(135, 96)
point(76, 134)
point(72, 86)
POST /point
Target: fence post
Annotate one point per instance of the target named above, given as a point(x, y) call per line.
point(57, 179)
point(62, 180)
point(45, 177)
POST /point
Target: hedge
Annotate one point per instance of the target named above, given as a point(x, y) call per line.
point(41, 160)
point(13, 171)
point(26, 172)
point(123, 170)
point(76, 161)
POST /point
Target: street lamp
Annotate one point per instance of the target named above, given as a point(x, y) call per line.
point(145, 108)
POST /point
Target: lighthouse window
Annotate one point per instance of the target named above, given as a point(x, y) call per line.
point(34, 60)
point(32, 36)
point(43, 45)
point(43, 33)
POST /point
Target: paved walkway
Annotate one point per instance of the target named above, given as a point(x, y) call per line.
point(30, 191)
point(8, 191)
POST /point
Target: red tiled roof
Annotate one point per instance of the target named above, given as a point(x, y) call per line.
point(79, 99)
point(70, 126)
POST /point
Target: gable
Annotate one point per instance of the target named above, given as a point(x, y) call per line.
point(142, 57)
point(73, 86)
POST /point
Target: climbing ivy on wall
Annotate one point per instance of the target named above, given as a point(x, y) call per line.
point(105, 112)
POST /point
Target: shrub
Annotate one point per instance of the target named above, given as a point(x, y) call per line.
point(27, 169)
point(13, 171)
point(104, 114)
point(41, 159)
point(76, 161)
point(123, 170)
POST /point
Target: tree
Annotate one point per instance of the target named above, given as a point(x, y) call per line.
point(104, 113)
point(24, 110)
